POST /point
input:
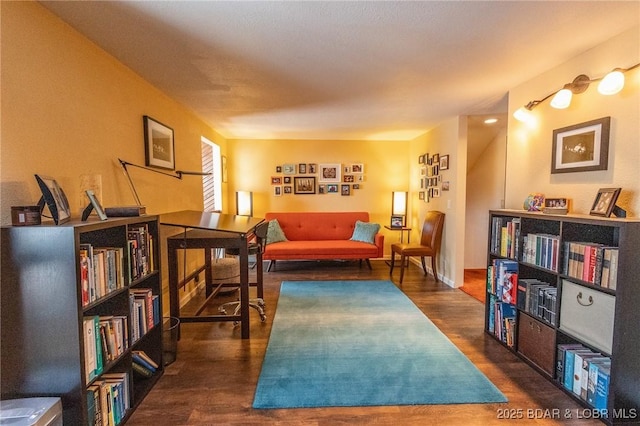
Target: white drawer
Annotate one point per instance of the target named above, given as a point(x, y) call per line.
point(588, 315)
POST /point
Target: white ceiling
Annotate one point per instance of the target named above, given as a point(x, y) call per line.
point(340, 70)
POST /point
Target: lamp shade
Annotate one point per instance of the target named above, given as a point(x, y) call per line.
point(612, 83)
point(562, 99)
point(244, 203)
point(399, 203)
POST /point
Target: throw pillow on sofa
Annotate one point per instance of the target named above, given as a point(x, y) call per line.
point(365, 232)
point(274, 232)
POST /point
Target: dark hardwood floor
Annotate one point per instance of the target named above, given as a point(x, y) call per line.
point(212, 382)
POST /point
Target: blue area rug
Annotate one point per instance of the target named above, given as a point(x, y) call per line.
point(361, 343)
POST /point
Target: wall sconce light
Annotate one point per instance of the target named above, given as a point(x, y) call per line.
point(244, 203)
point(610, 84)
point(399, 205)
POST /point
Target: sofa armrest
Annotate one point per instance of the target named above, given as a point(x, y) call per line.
point(379, 241)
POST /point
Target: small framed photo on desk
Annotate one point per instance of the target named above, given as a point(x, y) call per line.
point(397, 222)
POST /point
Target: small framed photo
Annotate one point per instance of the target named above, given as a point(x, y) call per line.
point(288, 189)
point(605, 201)
point(421, 195)
point(289, 169)
point(287, 180)
point(277, 190)
point(304, 185)
point(55, 199)
point(357, 168)
point(444, 162)
point(276, 180)
point(278, 169)
point(397, 222)
point(345, 189)
point(322, 189)
point(332, 188)
point(158, 144)
point(356, 186)
point(445, 185)
point(94, 204)
point(348, 178)
point(435, 159)
point(581, 148)
point(302, 168)
point(313, 168)
point(330, 172)
point(421, 159)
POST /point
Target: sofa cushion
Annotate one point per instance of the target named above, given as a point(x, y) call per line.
point(317, 249)
point(275, 233)
point(365, 232)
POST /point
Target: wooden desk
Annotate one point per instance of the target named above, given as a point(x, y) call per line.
point(203, 230)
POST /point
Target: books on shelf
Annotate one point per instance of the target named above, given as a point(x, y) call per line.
point(584, 372)
point(542, 250)
point(145, 311)
point(502, 279)
point(538, 298)
point(101, 271)
point(505, 236)
point(594, 263)
point(143, 365)
point(140, 251)
point(503, 318)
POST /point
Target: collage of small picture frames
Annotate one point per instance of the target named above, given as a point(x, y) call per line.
point(313, 178)
point(431, 180)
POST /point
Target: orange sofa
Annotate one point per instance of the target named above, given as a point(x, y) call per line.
point(321, 235)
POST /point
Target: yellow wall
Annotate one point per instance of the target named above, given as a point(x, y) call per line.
point(386, 168)
point(69, 109)
point(529, 147)
point(449, 138)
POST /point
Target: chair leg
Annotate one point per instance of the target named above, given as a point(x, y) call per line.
point(271, 263)
point(424, 267)
point(402, 258)
point(393, 261)
point(368, 264)
point(433, 267)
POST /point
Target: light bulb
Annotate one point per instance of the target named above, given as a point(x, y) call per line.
point(612, 83)
point(562, 99)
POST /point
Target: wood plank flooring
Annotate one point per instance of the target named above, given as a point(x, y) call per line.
point(213, 380)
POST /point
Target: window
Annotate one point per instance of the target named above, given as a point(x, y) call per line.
point(211, 184)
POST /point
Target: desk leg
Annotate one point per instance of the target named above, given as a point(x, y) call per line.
point(259, 275)
point(174, 303)
point(244, 290)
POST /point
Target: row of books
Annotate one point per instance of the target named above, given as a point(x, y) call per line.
point(541, 250)
point(143, 365)
point(108, 399)
point(145, 311)
point(538, 298)
point(105, 339)
point(505, 236)
point(101, 271)
point(591, 262)
point(140, 250)
point(502, 280)
point(502, 320)
point(585, 373)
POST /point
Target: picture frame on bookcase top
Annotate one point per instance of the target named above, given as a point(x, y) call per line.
point(605, 202)
point(55, 199)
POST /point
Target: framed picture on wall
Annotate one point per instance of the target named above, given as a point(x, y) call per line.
point(332, 188)
point(444, 162)
point(304, 185)
point(581, 148)
point(330, 172)
point(158, 144)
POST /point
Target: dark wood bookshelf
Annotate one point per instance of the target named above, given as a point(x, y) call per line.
point(43, 350)
point(536, 340)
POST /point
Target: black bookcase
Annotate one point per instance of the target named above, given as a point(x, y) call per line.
point(43, 340)
point(537, 337)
